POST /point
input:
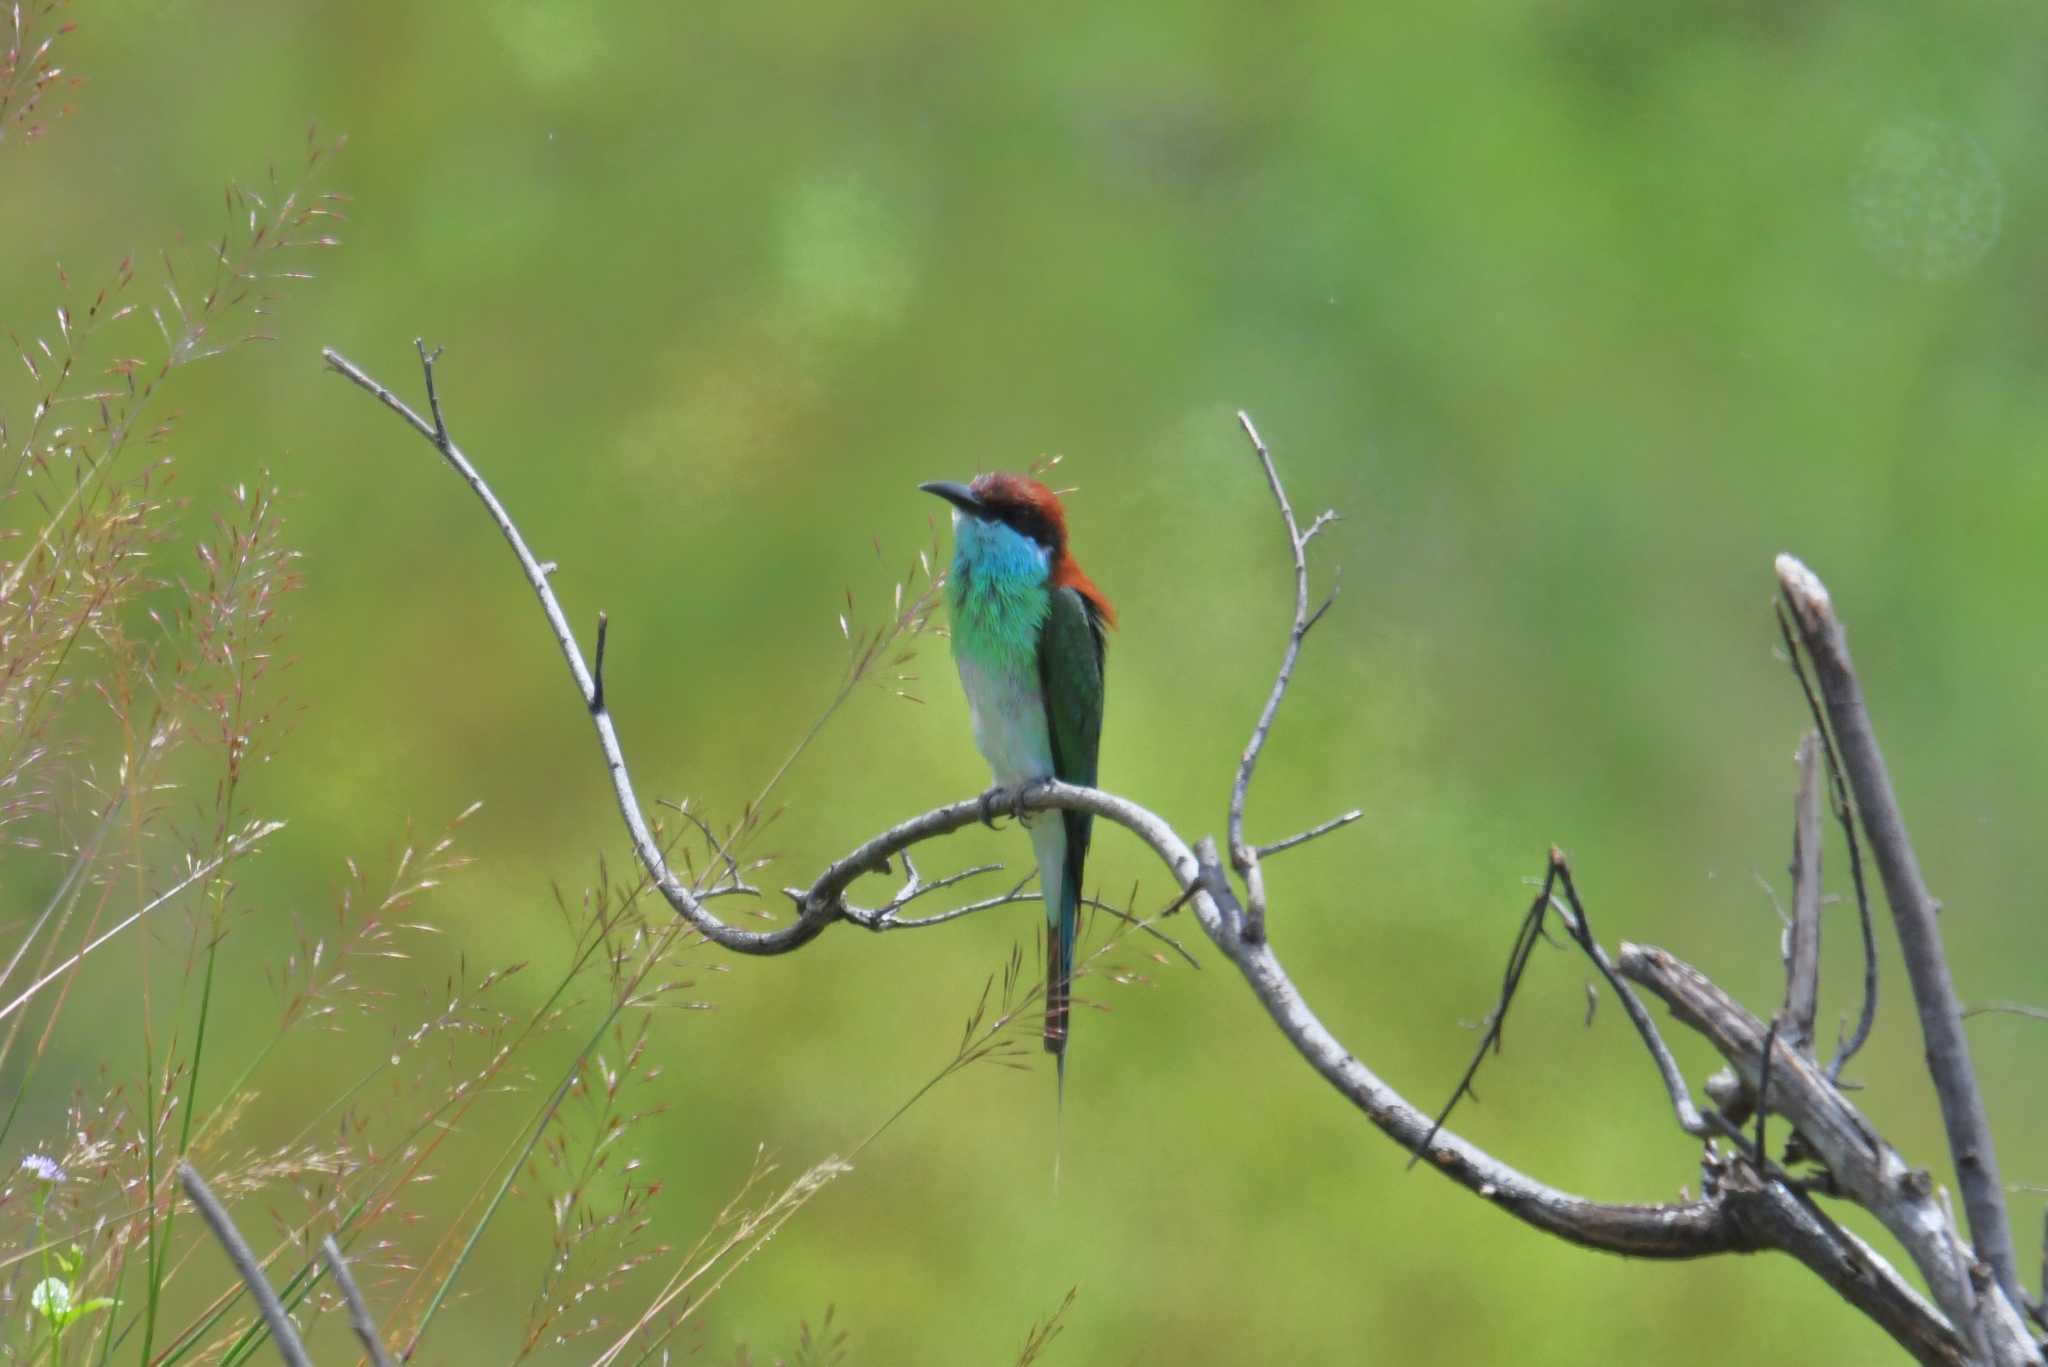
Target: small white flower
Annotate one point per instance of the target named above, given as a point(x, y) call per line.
point(51, 1298)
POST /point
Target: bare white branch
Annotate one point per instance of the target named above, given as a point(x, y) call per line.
point(1335, 823)
point(1860, 1162)
point(1689, 1229)
point(1913, 915)
point(1244, 857)
point(687, 904)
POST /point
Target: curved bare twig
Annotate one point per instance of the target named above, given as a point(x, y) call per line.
point(778, 941)
point(1576, 920)
point(1244, 856)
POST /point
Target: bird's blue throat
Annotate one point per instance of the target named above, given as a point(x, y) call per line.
point(998, 596)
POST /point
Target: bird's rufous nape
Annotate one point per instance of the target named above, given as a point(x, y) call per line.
point(1034, 509)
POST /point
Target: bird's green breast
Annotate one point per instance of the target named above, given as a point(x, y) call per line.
point(997, 615)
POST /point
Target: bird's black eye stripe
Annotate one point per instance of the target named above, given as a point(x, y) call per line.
point(1029, 521)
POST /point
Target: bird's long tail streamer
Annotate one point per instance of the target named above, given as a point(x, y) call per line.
point(1059, 991)
point(1061, 880)
point(1058, 987)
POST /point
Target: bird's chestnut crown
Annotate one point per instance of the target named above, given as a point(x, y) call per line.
point(1017, 501)
point(1031, 510)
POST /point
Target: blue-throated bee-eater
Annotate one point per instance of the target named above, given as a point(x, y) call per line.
point(1028, 639)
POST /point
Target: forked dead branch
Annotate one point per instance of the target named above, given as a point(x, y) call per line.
point(1748, 1202)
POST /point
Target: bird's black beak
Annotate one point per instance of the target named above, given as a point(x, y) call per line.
point(957, 494)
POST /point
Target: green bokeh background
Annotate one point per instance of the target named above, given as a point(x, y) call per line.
point(1578, 313)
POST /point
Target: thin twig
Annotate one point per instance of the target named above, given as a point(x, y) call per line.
point(1802, 939)
point(885, 918)
point(282, 1332)
point(427, 360)
point(1913, 915)
point(1144, 923)
point(1526, 936)
point(717, 848)
point(916, 885)
point(1180, 899)
point(1244, 857)
point(1335, 823)
point(358, 1310)
point(1558, 876)
point(1763, 1091)
point(1845, 817)
point(1581, 928)
point(2006, 1009)
point(939, 918)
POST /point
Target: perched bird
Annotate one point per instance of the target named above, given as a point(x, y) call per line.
point(1027, 637)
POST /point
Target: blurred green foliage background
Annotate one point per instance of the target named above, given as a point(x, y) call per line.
point(1577, 312)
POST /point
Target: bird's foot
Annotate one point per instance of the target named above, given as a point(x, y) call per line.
point(1009, 799)
point(1023, 793)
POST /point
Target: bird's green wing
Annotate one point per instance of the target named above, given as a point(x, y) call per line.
point(1070, 674)
point(1070, 678)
